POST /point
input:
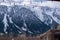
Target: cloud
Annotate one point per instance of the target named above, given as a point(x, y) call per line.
point(52, 4)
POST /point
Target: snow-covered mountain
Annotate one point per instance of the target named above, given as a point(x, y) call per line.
point(28, 19)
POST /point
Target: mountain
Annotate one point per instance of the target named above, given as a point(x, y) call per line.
point(29, 20)
point(48, 15)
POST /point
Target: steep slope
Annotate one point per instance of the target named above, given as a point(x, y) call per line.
point(46, 15)
point(20, 20)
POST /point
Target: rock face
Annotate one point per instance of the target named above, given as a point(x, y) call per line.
point(28, 19)
point(19, 19)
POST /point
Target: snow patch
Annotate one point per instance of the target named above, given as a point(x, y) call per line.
point(5, 23)
point(24, 29)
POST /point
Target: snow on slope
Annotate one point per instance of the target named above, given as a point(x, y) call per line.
point(40, 10)
point(52, 6)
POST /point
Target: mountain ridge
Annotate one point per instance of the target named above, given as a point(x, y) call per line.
point(23, 20)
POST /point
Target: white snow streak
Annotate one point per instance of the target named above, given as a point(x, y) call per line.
point(5, 23)
point(24, 29)
point(10, 19)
